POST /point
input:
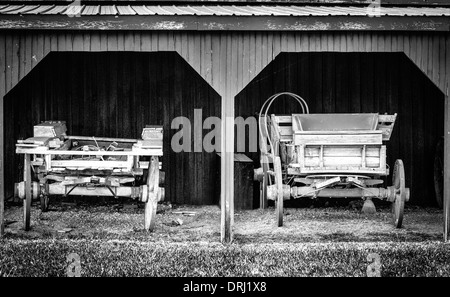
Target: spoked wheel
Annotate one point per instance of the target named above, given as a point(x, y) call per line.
point(398, 181)
point(153, 194)
point(439, 172)
point(264, 182)
point(279, 183)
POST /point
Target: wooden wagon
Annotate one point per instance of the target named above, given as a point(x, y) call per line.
point(58, 164)
point(328, 155)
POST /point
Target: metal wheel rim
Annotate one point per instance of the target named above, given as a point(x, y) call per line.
point(398, 181)
point(279, 183)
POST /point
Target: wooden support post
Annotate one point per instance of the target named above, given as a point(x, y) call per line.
point(447, 171)
point(27, 200)
point(227, 171)
point(2, 155)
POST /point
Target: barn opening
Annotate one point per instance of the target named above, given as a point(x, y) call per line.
point(333, 82)
point(115, 94)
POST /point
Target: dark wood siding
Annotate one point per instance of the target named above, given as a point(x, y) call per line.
point(115, 95)
point(221, 59)
point(361, 82)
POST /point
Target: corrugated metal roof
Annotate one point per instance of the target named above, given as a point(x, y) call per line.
point(220, 10)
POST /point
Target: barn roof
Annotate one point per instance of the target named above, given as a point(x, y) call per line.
point(220, 16)
point(217, 10)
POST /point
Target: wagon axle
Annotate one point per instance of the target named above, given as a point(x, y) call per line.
point(38, 190)
point(388, 193)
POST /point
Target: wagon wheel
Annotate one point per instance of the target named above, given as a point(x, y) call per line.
point(279, 183)
point(153, 194)
point(398, 181)
point(439, 172)
point(265, 182)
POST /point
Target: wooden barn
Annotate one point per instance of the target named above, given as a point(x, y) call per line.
point(108, 68)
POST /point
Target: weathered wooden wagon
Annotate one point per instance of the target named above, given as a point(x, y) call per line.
point(328, 155)
point(58, 164)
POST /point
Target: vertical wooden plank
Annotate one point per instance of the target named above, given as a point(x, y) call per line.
point(442, 62)
point(15, 59)
point(284, 46)
point(447, 166)
point(337, 41)
point(264, 49)
point(103, 41)
point(434, 65)
point(162, 41)
point(112, 44)
point(447, 145)
point(422, 53)
point(2, 158)
point(47, 43)
point(207, 58)
point(297, 41)
point(215, 56)
point(252, 52)
point(129, 41)
point(400, 42)
point(87, 41)
point(9, 62)
point(323, 41)
point(276, 41)
point(196, 54)
point(343, 36)
point(240, 59)
point(413, 49)
point(61, 42)
point(304, 42)
point(137, 41)
point(155, 41)
point(367, 41)
point(54, 42)
point(361, 45)
point(145, 41)
point(78, 41)
point(387, 42)
point(69, 42)
point(246, 62)
point(121, 41)
point(407, 44)
point(95, 41)
point(170, 41)
point(394, 42)
point(22, 55)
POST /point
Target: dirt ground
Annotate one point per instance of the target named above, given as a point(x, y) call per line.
point(116, 220)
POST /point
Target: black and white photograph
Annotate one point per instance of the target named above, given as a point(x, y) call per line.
point(224, 147)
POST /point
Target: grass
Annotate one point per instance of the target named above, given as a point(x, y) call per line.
point(130, 258)
point(323, 241)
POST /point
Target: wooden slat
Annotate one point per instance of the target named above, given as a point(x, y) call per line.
point(103, 41)
point(15, 60)
point(145, 41)
point(86, 42)
point(446, 197)
point(337, 139)
point(434, 66)
point(112, 41)
point(78, 41)
point(137, 41)
point(2, 156)
point(345, 161)
point(9, 61)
